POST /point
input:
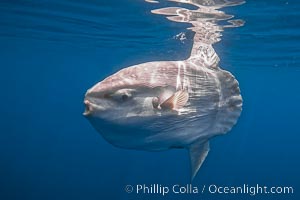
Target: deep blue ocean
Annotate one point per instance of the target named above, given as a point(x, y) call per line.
point(53, 51)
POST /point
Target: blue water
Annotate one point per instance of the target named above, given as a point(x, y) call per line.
point(53, 51)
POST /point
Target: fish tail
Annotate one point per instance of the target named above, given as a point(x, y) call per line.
point(230, 105)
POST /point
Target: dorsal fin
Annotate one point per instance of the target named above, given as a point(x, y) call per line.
point(176, 101)
point(198, 152)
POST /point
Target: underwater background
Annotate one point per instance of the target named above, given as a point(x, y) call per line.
point(53, 51)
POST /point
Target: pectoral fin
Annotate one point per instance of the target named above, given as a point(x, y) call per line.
point(176, 101)
point(198, 153)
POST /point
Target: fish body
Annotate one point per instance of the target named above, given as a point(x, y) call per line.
point(165, 104)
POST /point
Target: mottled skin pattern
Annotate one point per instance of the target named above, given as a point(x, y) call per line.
point(158, 130)
point(171, 104)
point(152, 74)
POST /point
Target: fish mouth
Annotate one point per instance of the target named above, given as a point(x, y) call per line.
point(91, 108)
point(88, 108)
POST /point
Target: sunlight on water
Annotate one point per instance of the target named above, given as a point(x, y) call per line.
point(53, 50)
point(205, 23)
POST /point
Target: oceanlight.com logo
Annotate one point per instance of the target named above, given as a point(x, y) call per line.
point(251, 190)
point(207, 189)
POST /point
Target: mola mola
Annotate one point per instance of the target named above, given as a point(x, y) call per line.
point(162, 105)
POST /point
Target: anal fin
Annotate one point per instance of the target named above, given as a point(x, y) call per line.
point(198, 152)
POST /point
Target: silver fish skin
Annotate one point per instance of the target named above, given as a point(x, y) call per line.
point(121, 108)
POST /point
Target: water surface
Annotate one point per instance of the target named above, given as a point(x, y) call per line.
point(52, 51)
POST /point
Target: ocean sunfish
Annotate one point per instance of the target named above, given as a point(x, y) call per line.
point(162, 105)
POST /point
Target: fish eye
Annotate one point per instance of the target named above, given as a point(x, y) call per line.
point(124, 97)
